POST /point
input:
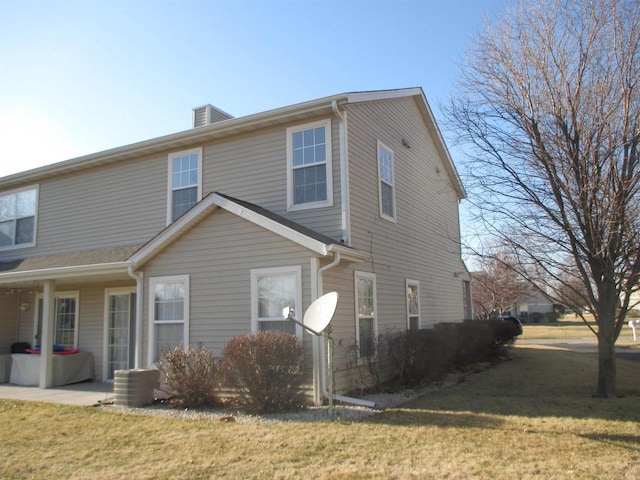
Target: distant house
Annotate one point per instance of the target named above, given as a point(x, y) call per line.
point(202, 235)
point(535, 303)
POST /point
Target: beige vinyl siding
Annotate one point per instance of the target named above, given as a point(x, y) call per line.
point(343, 327)
point(253, 167)
point(423, 244)
point(218, 255)
point(119, 204)
point(9, 309)
point(125, 203)
point(16, 325)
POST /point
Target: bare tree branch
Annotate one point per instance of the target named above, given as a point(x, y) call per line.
point(549, 114)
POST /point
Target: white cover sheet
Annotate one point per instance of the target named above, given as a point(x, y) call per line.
point(25, 369)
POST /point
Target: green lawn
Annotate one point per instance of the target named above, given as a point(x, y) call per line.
point(530, 417)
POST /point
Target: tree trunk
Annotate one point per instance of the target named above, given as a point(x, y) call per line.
point(606, 366)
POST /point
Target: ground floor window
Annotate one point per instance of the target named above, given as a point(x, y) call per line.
point(274, 291)
point(413, 305)
point(366, 313)
point(65, 331)
point(169, 312)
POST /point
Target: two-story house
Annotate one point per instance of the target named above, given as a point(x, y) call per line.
point(199, 236)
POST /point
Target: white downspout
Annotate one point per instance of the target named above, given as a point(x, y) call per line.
point(344, 173)
point(138, 277)
point(323, 367)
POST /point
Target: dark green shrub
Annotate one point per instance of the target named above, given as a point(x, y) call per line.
point(551, 317)
point(475, 342)
point(537, 317)
point(419, 355)
point(266, 371)
point(190, 375)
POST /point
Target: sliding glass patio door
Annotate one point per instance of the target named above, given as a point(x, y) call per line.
point(120, 331)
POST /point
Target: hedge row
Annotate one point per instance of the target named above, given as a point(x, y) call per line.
point(266, 371)
point(422, 355)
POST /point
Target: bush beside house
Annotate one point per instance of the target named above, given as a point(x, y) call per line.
point(266, 372)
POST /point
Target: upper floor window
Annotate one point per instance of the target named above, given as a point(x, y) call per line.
point(413, 305)
point(274, 291)
point(309, 178)
point(185, 182)
point(386, 182)
point(18, 218)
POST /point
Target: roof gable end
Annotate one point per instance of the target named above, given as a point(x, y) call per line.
point(307, 238)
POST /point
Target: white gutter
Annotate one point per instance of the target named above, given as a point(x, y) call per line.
point(55, 273)
point(138, 277)
point(325, 367)
point(344, 173)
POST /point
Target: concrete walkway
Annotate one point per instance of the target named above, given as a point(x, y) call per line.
point(625, 348)
point(84, 394)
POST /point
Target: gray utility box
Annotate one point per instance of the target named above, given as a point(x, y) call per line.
point(134, 388)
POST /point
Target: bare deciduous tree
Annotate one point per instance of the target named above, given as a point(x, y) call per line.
point(549, 109)
point(496, 287)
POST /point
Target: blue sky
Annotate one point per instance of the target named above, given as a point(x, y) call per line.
point(81, 76)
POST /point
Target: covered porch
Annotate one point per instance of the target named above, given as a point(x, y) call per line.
point(69, 303)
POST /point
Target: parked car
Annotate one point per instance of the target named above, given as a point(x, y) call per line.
point(515, 321)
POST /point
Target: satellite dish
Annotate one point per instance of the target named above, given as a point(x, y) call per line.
point(320, 313)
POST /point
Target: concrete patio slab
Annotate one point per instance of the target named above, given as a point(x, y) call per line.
point(81, 394)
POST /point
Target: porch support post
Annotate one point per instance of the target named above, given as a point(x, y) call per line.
point(46, 340)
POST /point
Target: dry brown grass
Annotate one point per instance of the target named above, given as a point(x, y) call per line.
point(531, 417)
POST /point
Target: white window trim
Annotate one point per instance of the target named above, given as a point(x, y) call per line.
point(35, 217)
point(105, 344)
point(153, 281)
point(291, 206)
point(170, 158)
point(257, 272)
point(371, 276)
point(75, 294)
point(393, 218)
point(415, 283)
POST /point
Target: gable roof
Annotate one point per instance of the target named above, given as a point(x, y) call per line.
point(232, 126)
point(119, 259)
point(303, 236)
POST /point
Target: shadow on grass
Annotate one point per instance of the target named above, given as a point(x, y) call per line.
point(417, 417)
point(626, 442)
point(537, 382)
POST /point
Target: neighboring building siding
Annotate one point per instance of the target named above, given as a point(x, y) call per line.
point(424, 243)
point(218, 255)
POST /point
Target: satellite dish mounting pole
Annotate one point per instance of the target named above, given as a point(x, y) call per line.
point(316, 321)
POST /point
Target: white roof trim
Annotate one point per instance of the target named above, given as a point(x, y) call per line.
point(359, 97)
point(65, 272)
point(271, 225)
